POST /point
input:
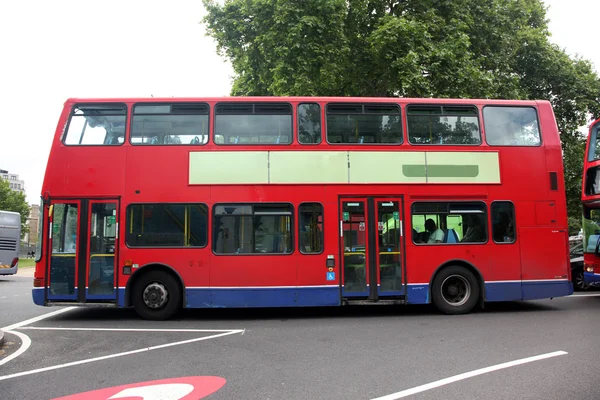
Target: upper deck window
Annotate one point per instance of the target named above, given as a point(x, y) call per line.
point(309, 123)
point(594, 151)
point(511, 126)
point(443, 125)
point(170, 124)
point(96, 125)
point(375, 123)
point(253, 123)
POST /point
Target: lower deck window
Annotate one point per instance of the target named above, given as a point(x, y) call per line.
point(252, 229)
point(456, 222)
point(167, 225)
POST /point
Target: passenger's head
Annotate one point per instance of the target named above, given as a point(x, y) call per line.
point(430, 225)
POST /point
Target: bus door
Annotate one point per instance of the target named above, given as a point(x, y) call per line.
point(83, 242)
point(371, 241)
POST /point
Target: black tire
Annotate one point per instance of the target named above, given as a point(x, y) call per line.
point(579, 284)
point(455, 290)
point(156, 295)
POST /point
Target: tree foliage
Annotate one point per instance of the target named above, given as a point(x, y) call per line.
point(11, 200)
point(409, 48)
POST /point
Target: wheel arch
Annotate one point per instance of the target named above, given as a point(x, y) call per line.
point(146, 268)
point(465, 264)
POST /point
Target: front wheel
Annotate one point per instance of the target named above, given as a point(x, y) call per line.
point(579, 283)
point(455, 290)
point(156, 295)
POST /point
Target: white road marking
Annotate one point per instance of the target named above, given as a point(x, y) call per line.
point(127, 353)
point(466, 375)
point(43, 328)
point(36, 319)
point(585, 295)
point(26, 342)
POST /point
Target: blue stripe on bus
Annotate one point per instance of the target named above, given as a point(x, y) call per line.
point(330, 295)
point(526, 290)
point(545, 289)
point(418, 294)
point(591, 278)
point(263, 297)
point(503, 291)
point(38, 296)
point(64, 297)
point(89, 296)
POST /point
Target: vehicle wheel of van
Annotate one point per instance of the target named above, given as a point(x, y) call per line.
point(156, 295)
point(455, 290)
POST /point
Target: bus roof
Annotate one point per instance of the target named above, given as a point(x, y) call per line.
point(306, 99)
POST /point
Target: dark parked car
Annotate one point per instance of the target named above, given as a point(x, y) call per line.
point(577, 266)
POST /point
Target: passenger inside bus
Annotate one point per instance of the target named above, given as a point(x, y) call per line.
point(474, 231)
point(436, 235)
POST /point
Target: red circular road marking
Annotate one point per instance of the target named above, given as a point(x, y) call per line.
point(184, 388)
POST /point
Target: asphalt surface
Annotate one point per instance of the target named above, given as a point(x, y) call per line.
point(354, 353)
point(15, 298)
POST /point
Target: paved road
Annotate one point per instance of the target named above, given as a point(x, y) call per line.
point(15, 298)
point(354, 353)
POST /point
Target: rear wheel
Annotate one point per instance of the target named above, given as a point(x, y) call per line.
point(156, 295)
point(455, 290)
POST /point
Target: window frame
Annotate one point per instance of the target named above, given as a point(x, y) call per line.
point(254, 103)
point(322, 223)
point(485, 212)
point(72, 114)
point(537, 118)
point(127, 221)
point(478, 115)
point(514, 210)
point(298, 123)
point(153, 104)
point(363, 104)
point(241, 204)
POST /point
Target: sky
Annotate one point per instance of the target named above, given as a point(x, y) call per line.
point(54, 50)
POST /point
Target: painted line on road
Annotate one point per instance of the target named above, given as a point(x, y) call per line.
point(44, 328)
point(25, 343)
point(126, 353)
point(585, 295)
point(36, 319)
point(25, 340)
point(466, 375)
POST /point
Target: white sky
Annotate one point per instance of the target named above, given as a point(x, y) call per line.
point(53, 50)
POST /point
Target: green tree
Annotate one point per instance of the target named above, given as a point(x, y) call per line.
point(11, 200)
point(409, 48)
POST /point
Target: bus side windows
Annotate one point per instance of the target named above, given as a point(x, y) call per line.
point(503, 222)
point(511, 126)
point(309, 123)
point(170, 124)
point(310, 228)
point(449, 223)
point(96, 125)
point(448, 124)
point(264, 228)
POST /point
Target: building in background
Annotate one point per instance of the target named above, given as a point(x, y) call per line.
point(32, 221)
point(13, 180)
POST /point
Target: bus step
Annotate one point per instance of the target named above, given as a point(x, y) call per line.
point(367, 302)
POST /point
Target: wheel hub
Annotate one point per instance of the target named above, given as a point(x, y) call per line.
point(155, 295)
point(456, 290)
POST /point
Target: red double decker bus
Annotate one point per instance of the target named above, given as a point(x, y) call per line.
point(590, 197)
point(167, 203)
